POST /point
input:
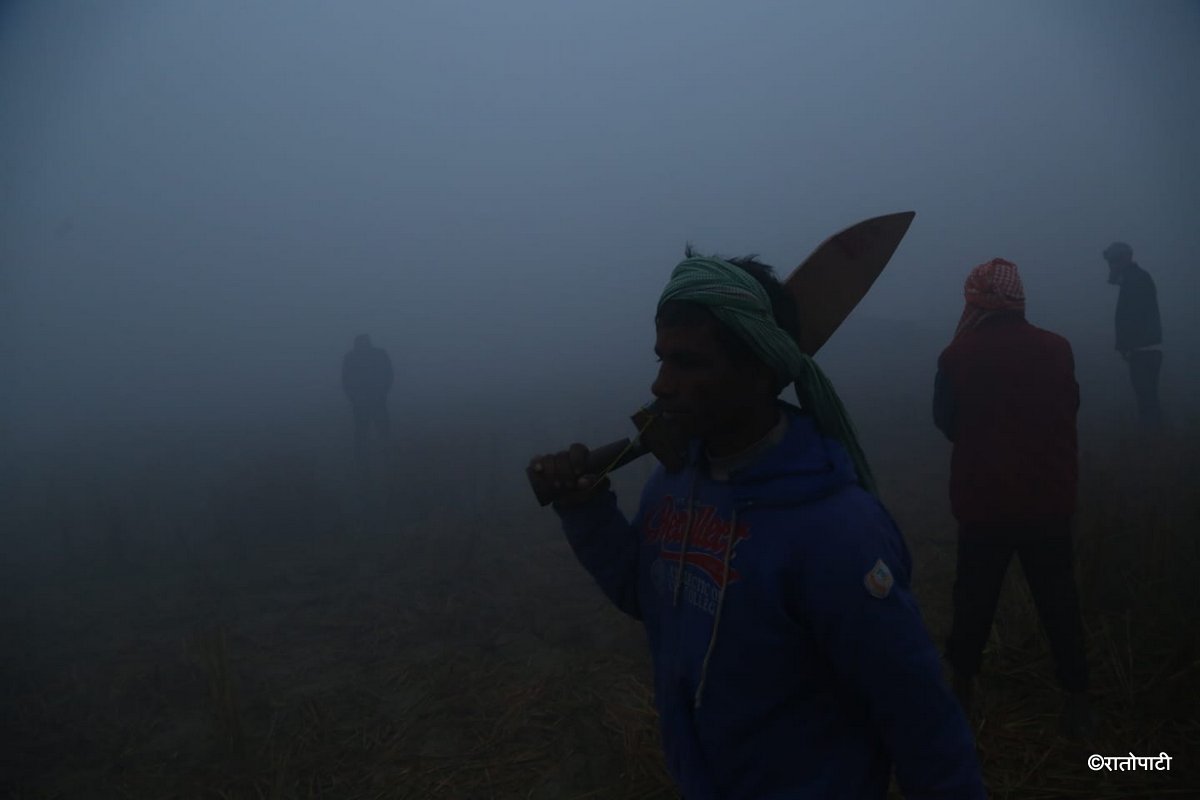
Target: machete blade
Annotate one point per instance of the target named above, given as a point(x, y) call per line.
point(832, 281)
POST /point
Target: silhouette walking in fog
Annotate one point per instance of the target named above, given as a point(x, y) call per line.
point(1138, 329)
point(366, 378)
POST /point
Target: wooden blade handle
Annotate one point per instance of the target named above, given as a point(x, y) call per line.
point(598, 460)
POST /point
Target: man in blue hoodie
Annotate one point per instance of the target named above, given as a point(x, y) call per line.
point(790, 659)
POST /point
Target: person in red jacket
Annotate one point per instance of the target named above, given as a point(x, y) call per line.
point(1006, 396)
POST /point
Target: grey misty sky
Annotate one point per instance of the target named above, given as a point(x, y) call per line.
point(203, 202)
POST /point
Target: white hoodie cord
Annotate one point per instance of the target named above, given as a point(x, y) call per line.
point(712, 641)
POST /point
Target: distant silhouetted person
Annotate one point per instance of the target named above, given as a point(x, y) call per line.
point(366, 378)
point(1138, 329)
point(1006, 396)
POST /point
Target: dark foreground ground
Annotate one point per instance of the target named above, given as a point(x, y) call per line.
point(281, 640)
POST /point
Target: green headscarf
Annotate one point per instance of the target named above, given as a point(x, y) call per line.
point(741, 304)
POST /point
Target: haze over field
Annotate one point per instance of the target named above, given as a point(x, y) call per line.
point(202, 203)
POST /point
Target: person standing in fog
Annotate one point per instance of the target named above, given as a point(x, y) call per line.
point(1005, 394)
point(366, 378)
point(1138, 329)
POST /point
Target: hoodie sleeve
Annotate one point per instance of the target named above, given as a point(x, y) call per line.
point(855, 595)
point(607, 545)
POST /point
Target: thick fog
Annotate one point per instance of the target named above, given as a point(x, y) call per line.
point(204, 202)
point(210, 587)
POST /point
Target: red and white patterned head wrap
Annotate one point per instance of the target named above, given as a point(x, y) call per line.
point(991, 287)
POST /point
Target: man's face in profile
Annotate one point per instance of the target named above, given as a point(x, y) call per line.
point(699, 385)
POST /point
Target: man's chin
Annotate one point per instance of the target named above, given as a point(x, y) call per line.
point(683, 423)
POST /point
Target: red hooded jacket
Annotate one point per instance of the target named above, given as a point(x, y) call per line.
point(1006, 396)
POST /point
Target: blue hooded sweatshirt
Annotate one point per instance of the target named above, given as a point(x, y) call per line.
point(790, 660)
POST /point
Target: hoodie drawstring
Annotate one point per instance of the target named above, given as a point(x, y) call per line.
point(687, 529)
point(712, 641)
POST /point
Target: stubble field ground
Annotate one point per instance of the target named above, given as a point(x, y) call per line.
point(263, 633)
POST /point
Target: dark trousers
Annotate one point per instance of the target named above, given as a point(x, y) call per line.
point(1144, 368)
point(368, 416)
point(1046, 558)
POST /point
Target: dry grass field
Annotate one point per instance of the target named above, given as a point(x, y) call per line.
point(272, 637)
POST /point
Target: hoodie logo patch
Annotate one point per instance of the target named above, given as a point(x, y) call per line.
point(879, 580)
point(707, 539)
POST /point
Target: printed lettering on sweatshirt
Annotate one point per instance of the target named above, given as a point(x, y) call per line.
point(707, 540)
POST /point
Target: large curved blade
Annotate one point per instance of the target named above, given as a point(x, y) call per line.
point(831, 281)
